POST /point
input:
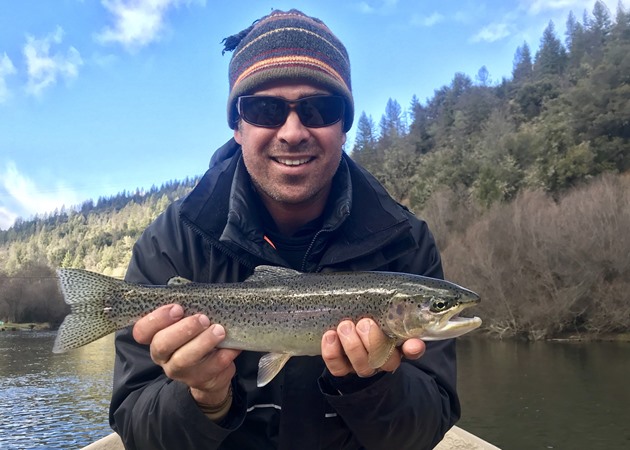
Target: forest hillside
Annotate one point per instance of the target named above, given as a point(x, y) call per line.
point(524, 182)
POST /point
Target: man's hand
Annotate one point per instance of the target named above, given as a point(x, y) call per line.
point(185, 347)
point(347, 349)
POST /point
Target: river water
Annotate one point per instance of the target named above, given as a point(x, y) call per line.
point(50, 401)
point(545, 395)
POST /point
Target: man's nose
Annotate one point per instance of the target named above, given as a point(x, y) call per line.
point(293, 131)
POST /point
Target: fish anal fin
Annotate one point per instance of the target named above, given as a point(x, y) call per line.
point(379, 356)
point(269, 366)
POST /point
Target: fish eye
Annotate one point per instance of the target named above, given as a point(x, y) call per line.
point(440, 305)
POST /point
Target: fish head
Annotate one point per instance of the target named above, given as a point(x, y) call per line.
point(431, 312)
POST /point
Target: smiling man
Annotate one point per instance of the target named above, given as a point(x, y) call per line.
point(283, 193)
point(292, 165)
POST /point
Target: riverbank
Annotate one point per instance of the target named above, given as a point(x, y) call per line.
point(616, 337)
point(10, 326)
point(562, 337)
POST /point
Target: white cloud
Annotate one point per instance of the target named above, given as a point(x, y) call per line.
point(380, 6)
point(427, 21)
point(6, 68)
point(577, 6)
point(20, 196)
point(137, 23)
point(537, 6)
point(7, 218)
point(491, 33)
point(365, 8)
point(45, 67)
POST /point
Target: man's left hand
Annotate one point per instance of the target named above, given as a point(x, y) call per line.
point(346, 350)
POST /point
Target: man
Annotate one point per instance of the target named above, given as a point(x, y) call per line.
point(282, 192)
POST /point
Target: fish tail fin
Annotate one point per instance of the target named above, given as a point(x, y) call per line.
point(87, 293)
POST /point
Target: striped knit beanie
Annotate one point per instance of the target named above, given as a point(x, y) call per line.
point(288, 46)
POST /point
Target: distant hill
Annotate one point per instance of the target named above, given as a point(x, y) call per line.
point(94, 236)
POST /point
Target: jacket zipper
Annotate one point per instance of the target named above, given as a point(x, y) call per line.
point(216, 244)
point(317, 235)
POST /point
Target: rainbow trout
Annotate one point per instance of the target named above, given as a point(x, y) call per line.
point(279, 311)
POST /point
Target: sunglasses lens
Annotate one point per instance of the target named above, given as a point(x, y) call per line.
point(320, 111)
point(262, 111)
point(271, 112)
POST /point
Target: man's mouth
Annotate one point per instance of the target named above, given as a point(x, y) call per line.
point(292, 162)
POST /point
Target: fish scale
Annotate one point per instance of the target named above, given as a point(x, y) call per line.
point(277, 310)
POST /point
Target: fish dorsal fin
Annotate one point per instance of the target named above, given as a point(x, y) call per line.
point(177, 281)
point(379, 356)
point(269, 366)
point(268, 273)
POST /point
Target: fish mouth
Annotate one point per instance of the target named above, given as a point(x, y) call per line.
point(454, 327)
point(468, 323)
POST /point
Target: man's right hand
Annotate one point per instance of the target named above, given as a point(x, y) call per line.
point(186, 348)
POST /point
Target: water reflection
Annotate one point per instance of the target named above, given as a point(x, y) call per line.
point(546, 395)
point(53, 401)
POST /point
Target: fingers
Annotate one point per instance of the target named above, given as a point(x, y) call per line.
point(210, 377)
point(149, 325)
point(354, 348)
point(376, 342)
point(199, 358)
point(206, 369)
point(413, 348)
point(348, 349)
point(168, 340)
point(334, 356)
point(186, 349)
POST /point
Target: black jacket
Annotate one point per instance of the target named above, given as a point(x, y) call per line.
point(213, 236)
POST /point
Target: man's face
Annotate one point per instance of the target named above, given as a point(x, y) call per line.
point(291, 164)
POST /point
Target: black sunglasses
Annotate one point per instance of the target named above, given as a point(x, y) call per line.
point(265, 111)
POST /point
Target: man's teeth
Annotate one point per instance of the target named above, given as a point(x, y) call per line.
point(293, 162)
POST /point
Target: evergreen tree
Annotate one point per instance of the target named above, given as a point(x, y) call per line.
point(598, 32)
point(364, 150)
point(621, 29)
point(483, 76)
point(576, 42)
point(392, 125)
point(419, 132)
point(522, 66)
point(551, 56)
point(601, 24)
point(571, 29)
point(365, 138)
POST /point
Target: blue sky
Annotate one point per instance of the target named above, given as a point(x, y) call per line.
point(101, 96)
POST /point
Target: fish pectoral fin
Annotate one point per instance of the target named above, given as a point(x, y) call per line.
point(381, 354)
point(269, 366)
point(177, 281)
